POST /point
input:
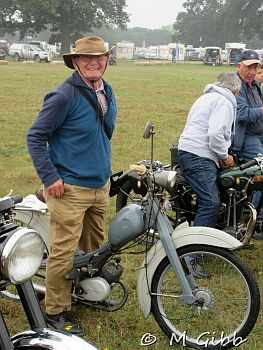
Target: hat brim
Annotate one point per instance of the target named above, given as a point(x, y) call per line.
point(67, 57)
point(249, 62)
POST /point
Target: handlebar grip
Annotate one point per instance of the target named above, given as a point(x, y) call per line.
point(17, 199)
point(248, 164)
point(140, 169)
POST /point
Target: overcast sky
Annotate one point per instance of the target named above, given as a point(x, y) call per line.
point(153, 14)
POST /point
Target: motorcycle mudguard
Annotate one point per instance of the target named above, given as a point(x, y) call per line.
point(48, 339)
point(35, 219)
point(183, 235)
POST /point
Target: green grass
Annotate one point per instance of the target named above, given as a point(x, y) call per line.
point(160, 93)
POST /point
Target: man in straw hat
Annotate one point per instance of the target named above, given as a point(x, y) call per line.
point(69, 143)
point(248, 137)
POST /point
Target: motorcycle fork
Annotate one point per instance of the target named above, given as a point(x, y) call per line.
point(165, 230)
point(232, 200)
point(5, 339)
point(31, 305)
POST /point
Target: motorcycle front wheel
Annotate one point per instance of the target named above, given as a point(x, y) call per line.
point(227, 300)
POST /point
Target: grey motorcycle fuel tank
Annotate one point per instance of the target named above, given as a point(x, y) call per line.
point(126, 225)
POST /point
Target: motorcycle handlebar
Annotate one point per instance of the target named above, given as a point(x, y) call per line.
point(17, 199)
point(248, 164)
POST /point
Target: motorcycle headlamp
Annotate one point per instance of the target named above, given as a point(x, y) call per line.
point(22, 255)
point(165, 178)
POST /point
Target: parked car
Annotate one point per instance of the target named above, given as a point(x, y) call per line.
point(193, 56)
point(213, 56)
point(2, 54)
point(21, 51)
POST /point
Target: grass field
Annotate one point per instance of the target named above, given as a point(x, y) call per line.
point(160, 93)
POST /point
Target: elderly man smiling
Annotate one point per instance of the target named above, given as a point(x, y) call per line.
point(69, 143)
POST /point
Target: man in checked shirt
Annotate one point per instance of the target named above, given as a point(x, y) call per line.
point(69, 144)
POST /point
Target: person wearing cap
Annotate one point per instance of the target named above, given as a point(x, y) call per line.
point(248, 138)
point(69, 144)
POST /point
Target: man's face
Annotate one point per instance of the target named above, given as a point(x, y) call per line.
point(91, 67)
point(259, 75)
point(247, 73)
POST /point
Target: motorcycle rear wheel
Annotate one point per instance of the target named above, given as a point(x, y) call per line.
point(229, 300)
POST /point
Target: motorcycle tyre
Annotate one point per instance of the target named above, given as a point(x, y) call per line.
point(127, 187)
point(243, 270)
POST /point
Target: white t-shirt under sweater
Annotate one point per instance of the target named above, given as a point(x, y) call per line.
point(210, 124)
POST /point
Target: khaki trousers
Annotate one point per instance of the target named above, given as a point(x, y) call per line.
point(75, 218)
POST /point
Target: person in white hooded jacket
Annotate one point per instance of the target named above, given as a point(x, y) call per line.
point(204, 143)
point(203, 149)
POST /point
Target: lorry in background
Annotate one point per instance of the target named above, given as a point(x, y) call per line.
point(233, 52)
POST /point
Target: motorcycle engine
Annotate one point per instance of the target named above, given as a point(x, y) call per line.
point(112, 271)
point(94, 289)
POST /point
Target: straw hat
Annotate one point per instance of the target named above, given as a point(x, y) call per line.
point(91, 46)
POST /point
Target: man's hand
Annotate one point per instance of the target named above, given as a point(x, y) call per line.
point(226, 163)
point(56, 190)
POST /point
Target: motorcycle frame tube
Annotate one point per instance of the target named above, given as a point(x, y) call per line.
point(5, 340)
point(183, 235)
point(31, 305)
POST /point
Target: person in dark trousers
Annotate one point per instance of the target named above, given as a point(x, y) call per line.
point(69, 143)
point(248, 137)
point(203, 148)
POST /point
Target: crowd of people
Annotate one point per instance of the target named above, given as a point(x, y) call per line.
point(76, 123)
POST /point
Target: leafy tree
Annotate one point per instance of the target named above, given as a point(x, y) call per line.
point(67, 19)
point(219, 21)
point(197, 26)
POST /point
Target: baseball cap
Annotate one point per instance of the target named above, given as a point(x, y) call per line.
point(249, 57)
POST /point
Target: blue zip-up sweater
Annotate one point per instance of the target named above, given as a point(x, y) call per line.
point(246, 114)
point(67, 141)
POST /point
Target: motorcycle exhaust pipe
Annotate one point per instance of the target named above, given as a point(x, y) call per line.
point(39, 288)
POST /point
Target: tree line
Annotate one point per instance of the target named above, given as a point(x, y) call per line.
point(214, 22)
point(202, 23)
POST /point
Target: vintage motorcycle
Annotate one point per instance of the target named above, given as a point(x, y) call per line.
point(21, 252)
point(186, 305)
point(237, 215)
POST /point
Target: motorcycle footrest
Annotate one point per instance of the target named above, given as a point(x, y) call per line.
point(72, 275)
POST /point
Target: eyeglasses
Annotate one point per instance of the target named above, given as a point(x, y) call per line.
point(89, 58)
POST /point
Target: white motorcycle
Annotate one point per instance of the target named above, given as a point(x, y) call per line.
point(211, 310)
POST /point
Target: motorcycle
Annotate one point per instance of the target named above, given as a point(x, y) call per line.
point(185, 304)
point(237, 215)
point(21, 252)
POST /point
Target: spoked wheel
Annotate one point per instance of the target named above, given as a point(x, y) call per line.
point(227, 300)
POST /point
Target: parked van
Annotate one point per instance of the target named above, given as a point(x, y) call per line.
point(213, 56)
point(21, 51)
point(234, 50)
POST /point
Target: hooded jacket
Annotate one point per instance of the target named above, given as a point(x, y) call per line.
point(67, 141)
point(209, 124)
